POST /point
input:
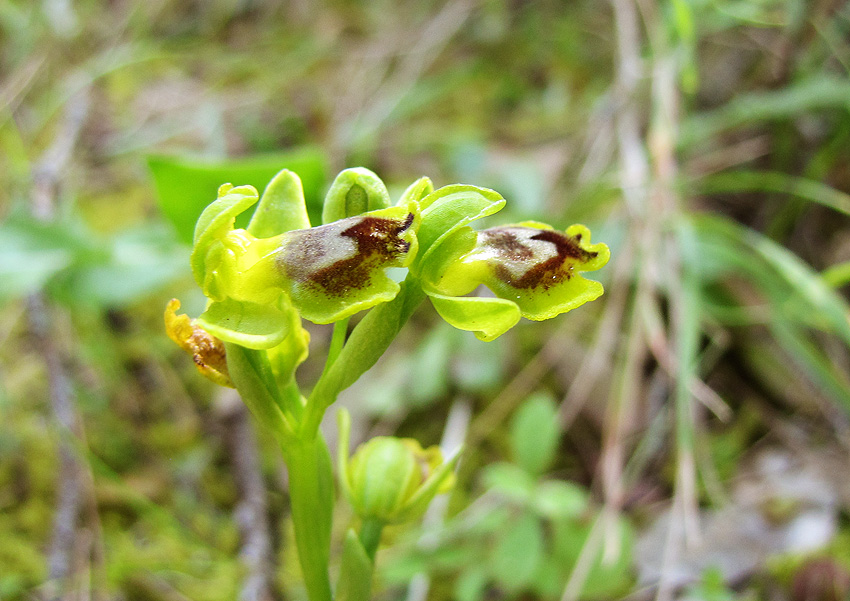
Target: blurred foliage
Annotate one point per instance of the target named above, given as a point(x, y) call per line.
point(731, 289)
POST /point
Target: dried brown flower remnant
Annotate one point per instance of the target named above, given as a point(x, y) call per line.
point(207, 351)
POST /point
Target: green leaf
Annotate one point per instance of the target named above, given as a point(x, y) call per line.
point(518, 553)
point(781, 274)
point(282, 207)
point(775, 181)
point(215, 222)
point(251, 325)
point(535, 434)
point(471, 584)
point(509, 481)
point(450, 208)
point(813, 93)
point(185, 185)
point(355, 574)
point(140, 262)
point(557, 499)
point(488, 317)
point(354, 191)
point(31, 253)
point(609, 574)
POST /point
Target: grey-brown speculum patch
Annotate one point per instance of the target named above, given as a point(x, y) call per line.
point(341, 256)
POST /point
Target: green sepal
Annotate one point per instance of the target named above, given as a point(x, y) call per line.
point(282, 207)
point(251, 325)
point(216, 221)
point(450, 208)
point(436, 482)
point(416, 191)
point(355, 572)
point(355, 191)
point(488, 317)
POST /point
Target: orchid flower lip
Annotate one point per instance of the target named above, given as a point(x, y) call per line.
point(513, 251)
point(339, 257)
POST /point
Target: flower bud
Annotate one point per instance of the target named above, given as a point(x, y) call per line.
point(392, 480)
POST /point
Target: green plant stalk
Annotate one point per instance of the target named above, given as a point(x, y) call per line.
point(311, 501)
point(365, 345)
point(370, 536)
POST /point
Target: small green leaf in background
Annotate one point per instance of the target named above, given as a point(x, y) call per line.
point(557, 499)
point(535, 434)
point(471, 584)
point(518, 553)
point(509, 481)
point(185, 186)
point(608, 576)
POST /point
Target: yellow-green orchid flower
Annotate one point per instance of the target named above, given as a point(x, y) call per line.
point(532, 269)
point(262, 280)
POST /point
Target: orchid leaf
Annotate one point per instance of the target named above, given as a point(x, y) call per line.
point(355, 573)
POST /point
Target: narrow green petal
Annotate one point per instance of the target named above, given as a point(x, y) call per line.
point(216, 221)
point(355, 191)
point(250, 325)
point(282, 207)
point(416, 191)
point(489, 318)
point(450, 208)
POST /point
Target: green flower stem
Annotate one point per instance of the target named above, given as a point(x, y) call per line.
point(370, 536)
point(251, 373)
point(337, 342)
point(367, 342)
point(311, 500)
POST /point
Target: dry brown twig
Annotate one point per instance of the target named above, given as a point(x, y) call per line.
point(74, 481)
point(251, 511)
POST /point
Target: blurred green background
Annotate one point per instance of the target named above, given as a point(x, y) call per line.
point(686, 436)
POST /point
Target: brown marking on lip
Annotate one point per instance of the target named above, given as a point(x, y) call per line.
point(508, 244)
point(378, 241)
point(551, 271)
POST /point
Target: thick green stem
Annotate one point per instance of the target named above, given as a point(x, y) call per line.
point(311, 499)
point(370, 536)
